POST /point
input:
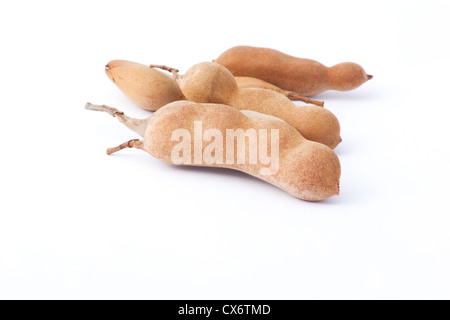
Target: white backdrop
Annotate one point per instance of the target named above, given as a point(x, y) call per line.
point(75, 223)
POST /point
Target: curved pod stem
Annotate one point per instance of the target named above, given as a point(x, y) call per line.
point(137, 125)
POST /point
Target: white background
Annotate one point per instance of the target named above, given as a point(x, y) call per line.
point(75, 223)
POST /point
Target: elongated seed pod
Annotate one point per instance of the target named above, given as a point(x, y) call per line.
point(146, 86)
point(307, 170)
point(303, 76)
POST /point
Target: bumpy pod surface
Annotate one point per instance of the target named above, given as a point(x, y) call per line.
point(303, 76)
point(147, 87)
point(209, 82)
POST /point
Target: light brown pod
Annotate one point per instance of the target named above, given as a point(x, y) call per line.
point(209, 82)
point(303, 76)
point(249, 82)
point(146, 86)
point(307, 170)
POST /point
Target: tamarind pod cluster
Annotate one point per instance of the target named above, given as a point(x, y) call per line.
point(247, 90)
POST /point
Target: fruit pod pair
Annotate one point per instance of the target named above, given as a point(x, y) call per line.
point(306, 169)
point(151, 89)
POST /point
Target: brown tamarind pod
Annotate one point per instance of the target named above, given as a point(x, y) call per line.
point(146, 86)
point(305, 169)
point(303, 76)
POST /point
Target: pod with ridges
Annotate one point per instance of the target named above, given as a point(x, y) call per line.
point(209, 82)
point(307, 170)
point(303, 76)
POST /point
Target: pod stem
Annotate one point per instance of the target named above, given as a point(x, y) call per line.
point(137, 125)
point(297, 97)
point(102, 108)
point(135, 143)
point(166, 68)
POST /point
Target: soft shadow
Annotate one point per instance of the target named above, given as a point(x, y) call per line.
point(366, 95)
point(251, 180)
point(350, 146)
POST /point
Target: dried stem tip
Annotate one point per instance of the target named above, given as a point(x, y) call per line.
point(136, 143)
point(297, 97)
point(163, 67)
point(103, 108)
point(137, 125)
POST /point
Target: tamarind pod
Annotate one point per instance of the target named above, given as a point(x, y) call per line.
point(303, 76)
point(307, 170)
point(146, 86)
